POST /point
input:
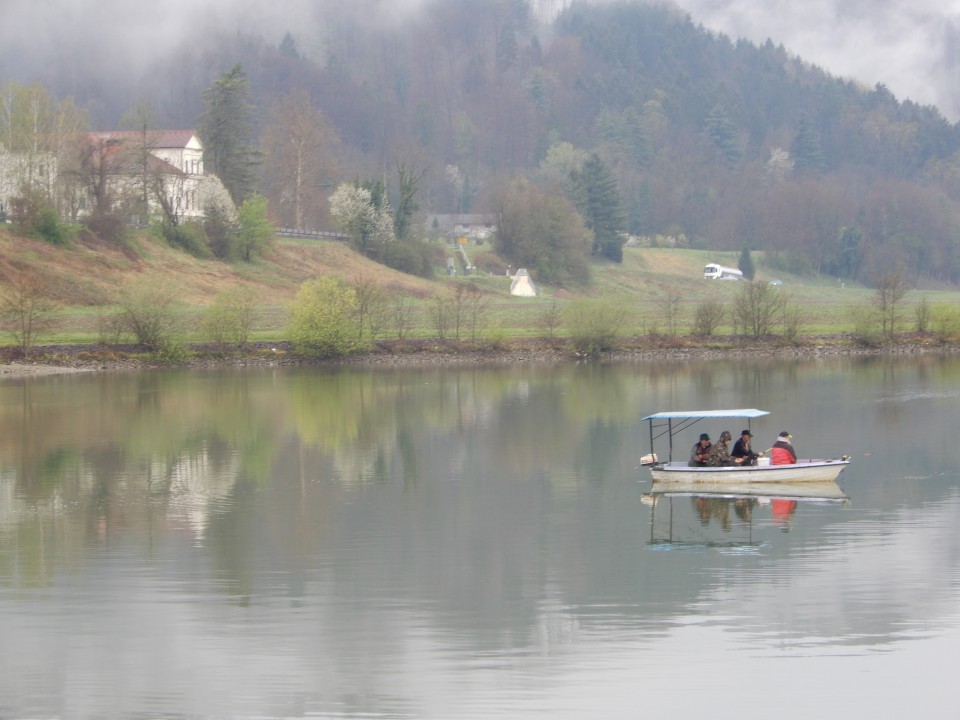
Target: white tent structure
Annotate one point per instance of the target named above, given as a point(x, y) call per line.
point(522, 285)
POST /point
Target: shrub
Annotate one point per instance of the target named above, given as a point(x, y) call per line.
point(108, 227)
point(946, 322)
point(228, 320)
point(147, 312)
point(189, 237)
point(866, 324)
point(409, 256)
point(323, 319)
point(594, 325)
point(708, 317)
point(47, 226)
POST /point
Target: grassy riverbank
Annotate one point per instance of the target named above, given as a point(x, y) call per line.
point(85, 281)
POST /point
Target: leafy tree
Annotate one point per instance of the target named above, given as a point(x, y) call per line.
point(370, 227)
point(745, 263)
point(598, 200)
point(323, 319)
point(254, 229)
point(225, 129)
point(543, 233)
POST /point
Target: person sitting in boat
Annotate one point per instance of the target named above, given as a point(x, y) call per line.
point(700, 452)
point(782, 452)
point(742, 451)
point(719, 454)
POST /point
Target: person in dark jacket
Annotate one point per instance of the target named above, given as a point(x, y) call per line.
point(782, 452)
point(742, 451)
point(700, 451)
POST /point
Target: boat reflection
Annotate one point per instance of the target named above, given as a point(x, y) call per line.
point(723, 515)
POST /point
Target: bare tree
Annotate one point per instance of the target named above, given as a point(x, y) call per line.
point(755, 308)
point(707, 317)
point(402, 315)
point(551, 318)
point(888, 299)
point(27, 308)
point(371, 305)
point(670, 307)
point(295, 141)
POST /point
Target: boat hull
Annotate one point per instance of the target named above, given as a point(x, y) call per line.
point(817, 471)
point(811, 491)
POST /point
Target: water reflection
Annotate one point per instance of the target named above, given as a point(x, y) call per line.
point(704, 508)
point(437, 543)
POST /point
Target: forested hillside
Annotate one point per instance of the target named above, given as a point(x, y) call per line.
point(712, 143)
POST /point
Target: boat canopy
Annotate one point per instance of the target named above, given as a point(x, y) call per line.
point(687, 418)
point(703, 414)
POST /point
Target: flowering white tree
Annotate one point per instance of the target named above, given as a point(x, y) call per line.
point(779, 165)
point(215, 198)
point(369, 227)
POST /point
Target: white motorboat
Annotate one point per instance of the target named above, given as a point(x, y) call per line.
point(668, 424)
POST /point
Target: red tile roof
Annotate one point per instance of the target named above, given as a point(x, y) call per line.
point(157, 138)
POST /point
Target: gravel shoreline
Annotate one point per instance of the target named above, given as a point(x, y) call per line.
point(62, 359)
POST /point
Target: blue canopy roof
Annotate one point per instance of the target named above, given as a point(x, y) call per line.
point(691, 414)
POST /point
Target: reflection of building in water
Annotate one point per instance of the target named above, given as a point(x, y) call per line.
point(197, 486)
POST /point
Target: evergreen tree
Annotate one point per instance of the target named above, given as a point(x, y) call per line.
point(598, 200)
point(406, 200)
point(806, 149)
point(724, 136)
point(745, 263)
point(225, 130)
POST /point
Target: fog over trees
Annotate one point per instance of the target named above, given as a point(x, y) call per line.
point(697, 138)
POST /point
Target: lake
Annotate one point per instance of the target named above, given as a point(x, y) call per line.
point(451, 543)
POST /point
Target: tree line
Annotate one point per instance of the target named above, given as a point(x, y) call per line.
point(615, 119)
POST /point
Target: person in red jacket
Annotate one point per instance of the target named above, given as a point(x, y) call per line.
point(782, 452)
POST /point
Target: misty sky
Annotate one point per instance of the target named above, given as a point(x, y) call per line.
point(913, 46)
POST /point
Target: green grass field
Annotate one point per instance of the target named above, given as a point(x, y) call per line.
point(86, 281)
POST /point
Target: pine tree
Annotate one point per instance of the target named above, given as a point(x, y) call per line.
point(225, 131)
point(745, 263)
point(806, 149)
point(598, 200)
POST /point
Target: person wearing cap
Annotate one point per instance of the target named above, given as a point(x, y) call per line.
point(700, 451)
point(719, 454)
point(742, 451)
point(782, 452)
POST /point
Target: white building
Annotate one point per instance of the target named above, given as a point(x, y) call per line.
point(174, 168)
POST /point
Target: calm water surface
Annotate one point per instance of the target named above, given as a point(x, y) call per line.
point(472, 544)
